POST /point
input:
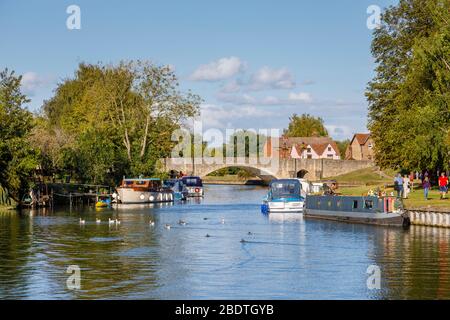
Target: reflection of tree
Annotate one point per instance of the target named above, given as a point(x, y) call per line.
point(111, 263)
point(15, 242)
point(414, 264)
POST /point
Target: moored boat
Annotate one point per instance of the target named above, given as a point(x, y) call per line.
point(194, 186)
point(285, 195)
point(385, 211)
point(103, 201)
point(179, 190)
point(143, 190)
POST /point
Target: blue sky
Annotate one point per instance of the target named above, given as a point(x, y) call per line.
point(254, 63)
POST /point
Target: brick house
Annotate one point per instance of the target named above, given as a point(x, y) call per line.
point(360, 147)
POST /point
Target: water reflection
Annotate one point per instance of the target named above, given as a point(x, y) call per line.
point(227, 249)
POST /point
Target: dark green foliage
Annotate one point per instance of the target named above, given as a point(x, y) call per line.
point(17, 159)
point(305, 126)
point(409, 98)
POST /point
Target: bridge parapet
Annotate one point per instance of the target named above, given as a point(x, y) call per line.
point(267, 168)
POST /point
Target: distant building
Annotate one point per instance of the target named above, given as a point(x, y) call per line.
point(360, 147)
point(302, 148)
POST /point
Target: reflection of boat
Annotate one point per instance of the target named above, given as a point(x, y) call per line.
point(177, 187)
point(143, 190)
point(285, 217)
point(194, 186)
point(285, 195)
point(368, 210)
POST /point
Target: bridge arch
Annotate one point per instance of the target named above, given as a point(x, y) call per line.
point(264, 175)
point(301, 173)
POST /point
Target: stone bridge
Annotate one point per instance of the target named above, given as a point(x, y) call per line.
point(267, 168)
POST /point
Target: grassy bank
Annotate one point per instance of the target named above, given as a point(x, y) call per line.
point(371, 179)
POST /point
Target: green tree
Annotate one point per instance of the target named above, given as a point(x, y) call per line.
point(342, 146)
point(246, 143)
point(305, 126)
point(123, 113)
point(409, 97)
point(17, 159)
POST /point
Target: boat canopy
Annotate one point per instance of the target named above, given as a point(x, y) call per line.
point(285, 188)
point(192, 181)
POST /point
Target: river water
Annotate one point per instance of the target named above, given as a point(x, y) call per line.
point(283, 257)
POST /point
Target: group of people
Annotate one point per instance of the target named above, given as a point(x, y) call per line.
point(404, 185)
point(176, 175)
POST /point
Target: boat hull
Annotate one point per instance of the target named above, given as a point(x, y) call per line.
point(382, 218)
point(283, 207)
point(195, 191)
point(128, 195)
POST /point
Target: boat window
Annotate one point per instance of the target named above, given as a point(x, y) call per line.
point(368, 204)
point(128, 183)
point(285, 188)
point(338, 203)
point(193, 182)
point(355, 204)
point(140, 183)
point(329, 203)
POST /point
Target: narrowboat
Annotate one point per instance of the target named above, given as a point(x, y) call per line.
point(179, 190)
point(285, 195)
point(143, 190)
point(386, 211)
point(194, 186)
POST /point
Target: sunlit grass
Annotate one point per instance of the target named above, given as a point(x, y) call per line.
point(416, 199)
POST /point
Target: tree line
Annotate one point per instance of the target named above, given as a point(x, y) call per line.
point(409, 96)
point(106, 122)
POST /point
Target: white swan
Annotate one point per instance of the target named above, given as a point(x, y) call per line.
point(82, 221)
point(151, 223)
point(98, 221)
point(167, 226)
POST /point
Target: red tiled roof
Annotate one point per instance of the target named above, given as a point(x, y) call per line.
point(319, 148)
point(361, 137)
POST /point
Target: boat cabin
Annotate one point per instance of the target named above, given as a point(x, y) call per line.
point(350, 203)
point(142, 184)
point(192, 181)
point(285, 189)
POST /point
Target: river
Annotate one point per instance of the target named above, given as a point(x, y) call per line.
point(283, 257)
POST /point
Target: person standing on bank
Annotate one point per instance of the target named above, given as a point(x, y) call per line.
point(398, 185)
point(411, 181)
point(426, 187)
point(443, 185)
point(406, 187)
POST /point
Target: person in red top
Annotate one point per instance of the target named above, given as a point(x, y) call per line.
point(443, 182)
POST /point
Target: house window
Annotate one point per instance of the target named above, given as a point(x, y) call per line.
point(370, 146)
point(329, 156)
point(329, 148)
point(308, 150)
point(309, 156)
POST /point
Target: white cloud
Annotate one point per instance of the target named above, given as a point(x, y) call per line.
point(231, 87)
point(300, 97)
point(31, 82)
point(215, 116)
point(221, 69)
point(267, 78)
